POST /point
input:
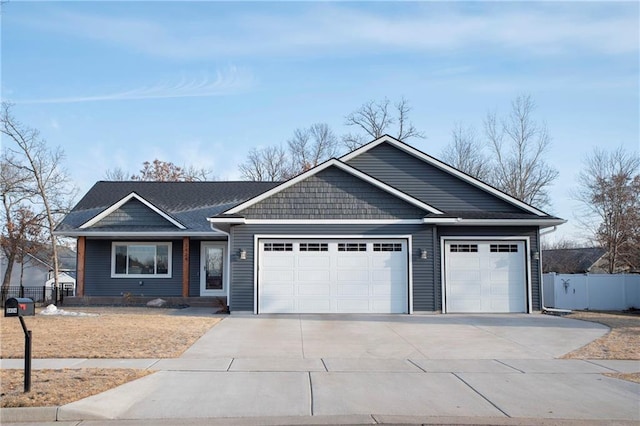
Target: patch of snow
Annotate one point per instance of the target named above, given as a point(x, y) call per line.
point(156, 303)
point(52, 310)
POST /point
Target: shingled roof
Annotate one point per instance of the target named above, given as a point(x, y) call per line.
point(572, 260)
point(187, 202)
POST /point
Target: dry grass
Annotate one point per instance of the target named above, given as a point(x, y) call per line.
point(114, 333)
point(622, 342)
point(59, 387)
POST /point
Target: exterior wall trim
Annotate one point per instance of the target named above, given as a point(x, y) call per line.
point(134, 234)
point(527, 258)
point(544, 223)
point(344, 167)
point(120, 203)
point(443, 166)
point(256, 250)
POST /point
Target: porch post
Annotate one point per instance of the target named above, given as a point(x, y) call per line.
point(185, 267)
point(81, 247)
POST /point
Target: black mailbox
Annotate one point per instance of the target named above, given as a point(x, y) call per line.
point(19, 307)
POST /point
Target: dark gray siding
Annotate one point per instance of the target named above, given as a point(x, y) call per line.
point(425, 182)
point(531, 232)
point(333, 194)
point(425, 293)
point(133, 213)
point(98, 281)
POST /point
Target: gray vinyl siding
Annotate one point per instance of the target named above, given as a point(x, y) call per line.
point(507, 231)
point(133, 213)
point(426, 182)
point(98, 281)
point(425, 293)
point(333, 194)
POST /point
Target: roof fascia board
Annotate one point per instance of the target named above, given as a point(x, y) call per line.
point(495, 222)
point(443, 166)
point(344, 167)
point(145, 234)
point(334, 221)
point(123, 201)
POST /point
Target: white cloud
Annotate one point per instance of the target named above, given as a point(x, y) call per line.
point(312, 28)
point(225, 82)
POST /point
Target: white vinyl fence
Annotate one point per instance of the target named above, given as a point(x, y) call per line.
point(611, 292)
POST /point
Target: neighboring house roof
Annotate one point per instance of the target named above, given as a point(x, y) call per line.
point(183, 208)
point(572, 260)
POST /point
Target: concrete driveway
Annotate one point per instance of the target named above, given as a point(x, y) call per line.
point(395, 337)
point(355, 369)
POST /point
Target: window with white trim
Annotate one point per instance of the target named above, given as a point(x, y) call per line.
point(136, 260)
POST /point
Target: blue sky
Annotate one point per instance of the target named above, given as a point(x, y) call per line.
point(202, 83)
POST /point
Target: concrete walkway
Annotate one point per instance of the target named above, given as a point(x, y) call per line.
point(305, 369)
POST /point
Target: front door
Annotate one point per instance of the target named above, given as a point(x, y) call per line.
point(213, 272)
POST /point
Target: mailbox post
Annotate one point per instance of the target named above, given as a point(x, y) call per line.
point(18, 307)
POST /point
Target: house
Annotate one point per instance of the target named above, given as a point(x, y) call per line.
point(574, 260)
point(383, 229)
point(35, 273)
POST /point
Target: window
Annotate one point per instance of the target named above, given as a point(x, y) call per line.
point(352, 246)
point(150, 260)
point(314, 247)
point(464, 248)
point(503, 248)
point(278, 247)
point(387, 247)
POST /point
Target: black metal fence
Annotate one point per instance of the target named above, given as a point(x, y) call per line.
point(40, 295)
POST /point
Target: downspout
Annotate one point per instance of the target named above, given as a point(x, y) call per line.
point(544, 308)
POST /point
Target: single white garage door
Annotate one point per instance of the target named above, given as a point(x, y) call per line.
point(332, 276)
point(485, 276)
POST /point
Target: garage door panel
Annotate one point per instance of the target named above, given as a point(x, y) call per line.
point(352, 260)
point(280, 276)
point(314, 262)
point(346, 276)
point(313, 275)
point(349, 275)
point(314, 290)
point(277, 260)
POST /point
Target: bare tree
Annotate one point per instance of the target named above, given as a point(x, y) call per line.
point(270, 164)
point(374, 119)
point(311, 146)
point(519, 143)
point(609, 192)
point(48, 181)
point(465, 152)
point(20, 223)
point(161, 171)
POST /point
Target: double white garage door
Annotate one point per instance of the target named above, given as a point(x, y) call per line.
point(333, 276)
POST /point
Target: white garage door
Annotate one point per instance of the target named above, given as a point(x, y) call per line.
point(332, 276)
point(485, 276)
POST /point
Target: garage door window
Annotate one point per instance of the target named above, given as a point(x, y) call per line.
point(504, 248)
point(464, 248)
point(314, 247)
point(387, 247)
point(278, 247)
point(352, 247)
